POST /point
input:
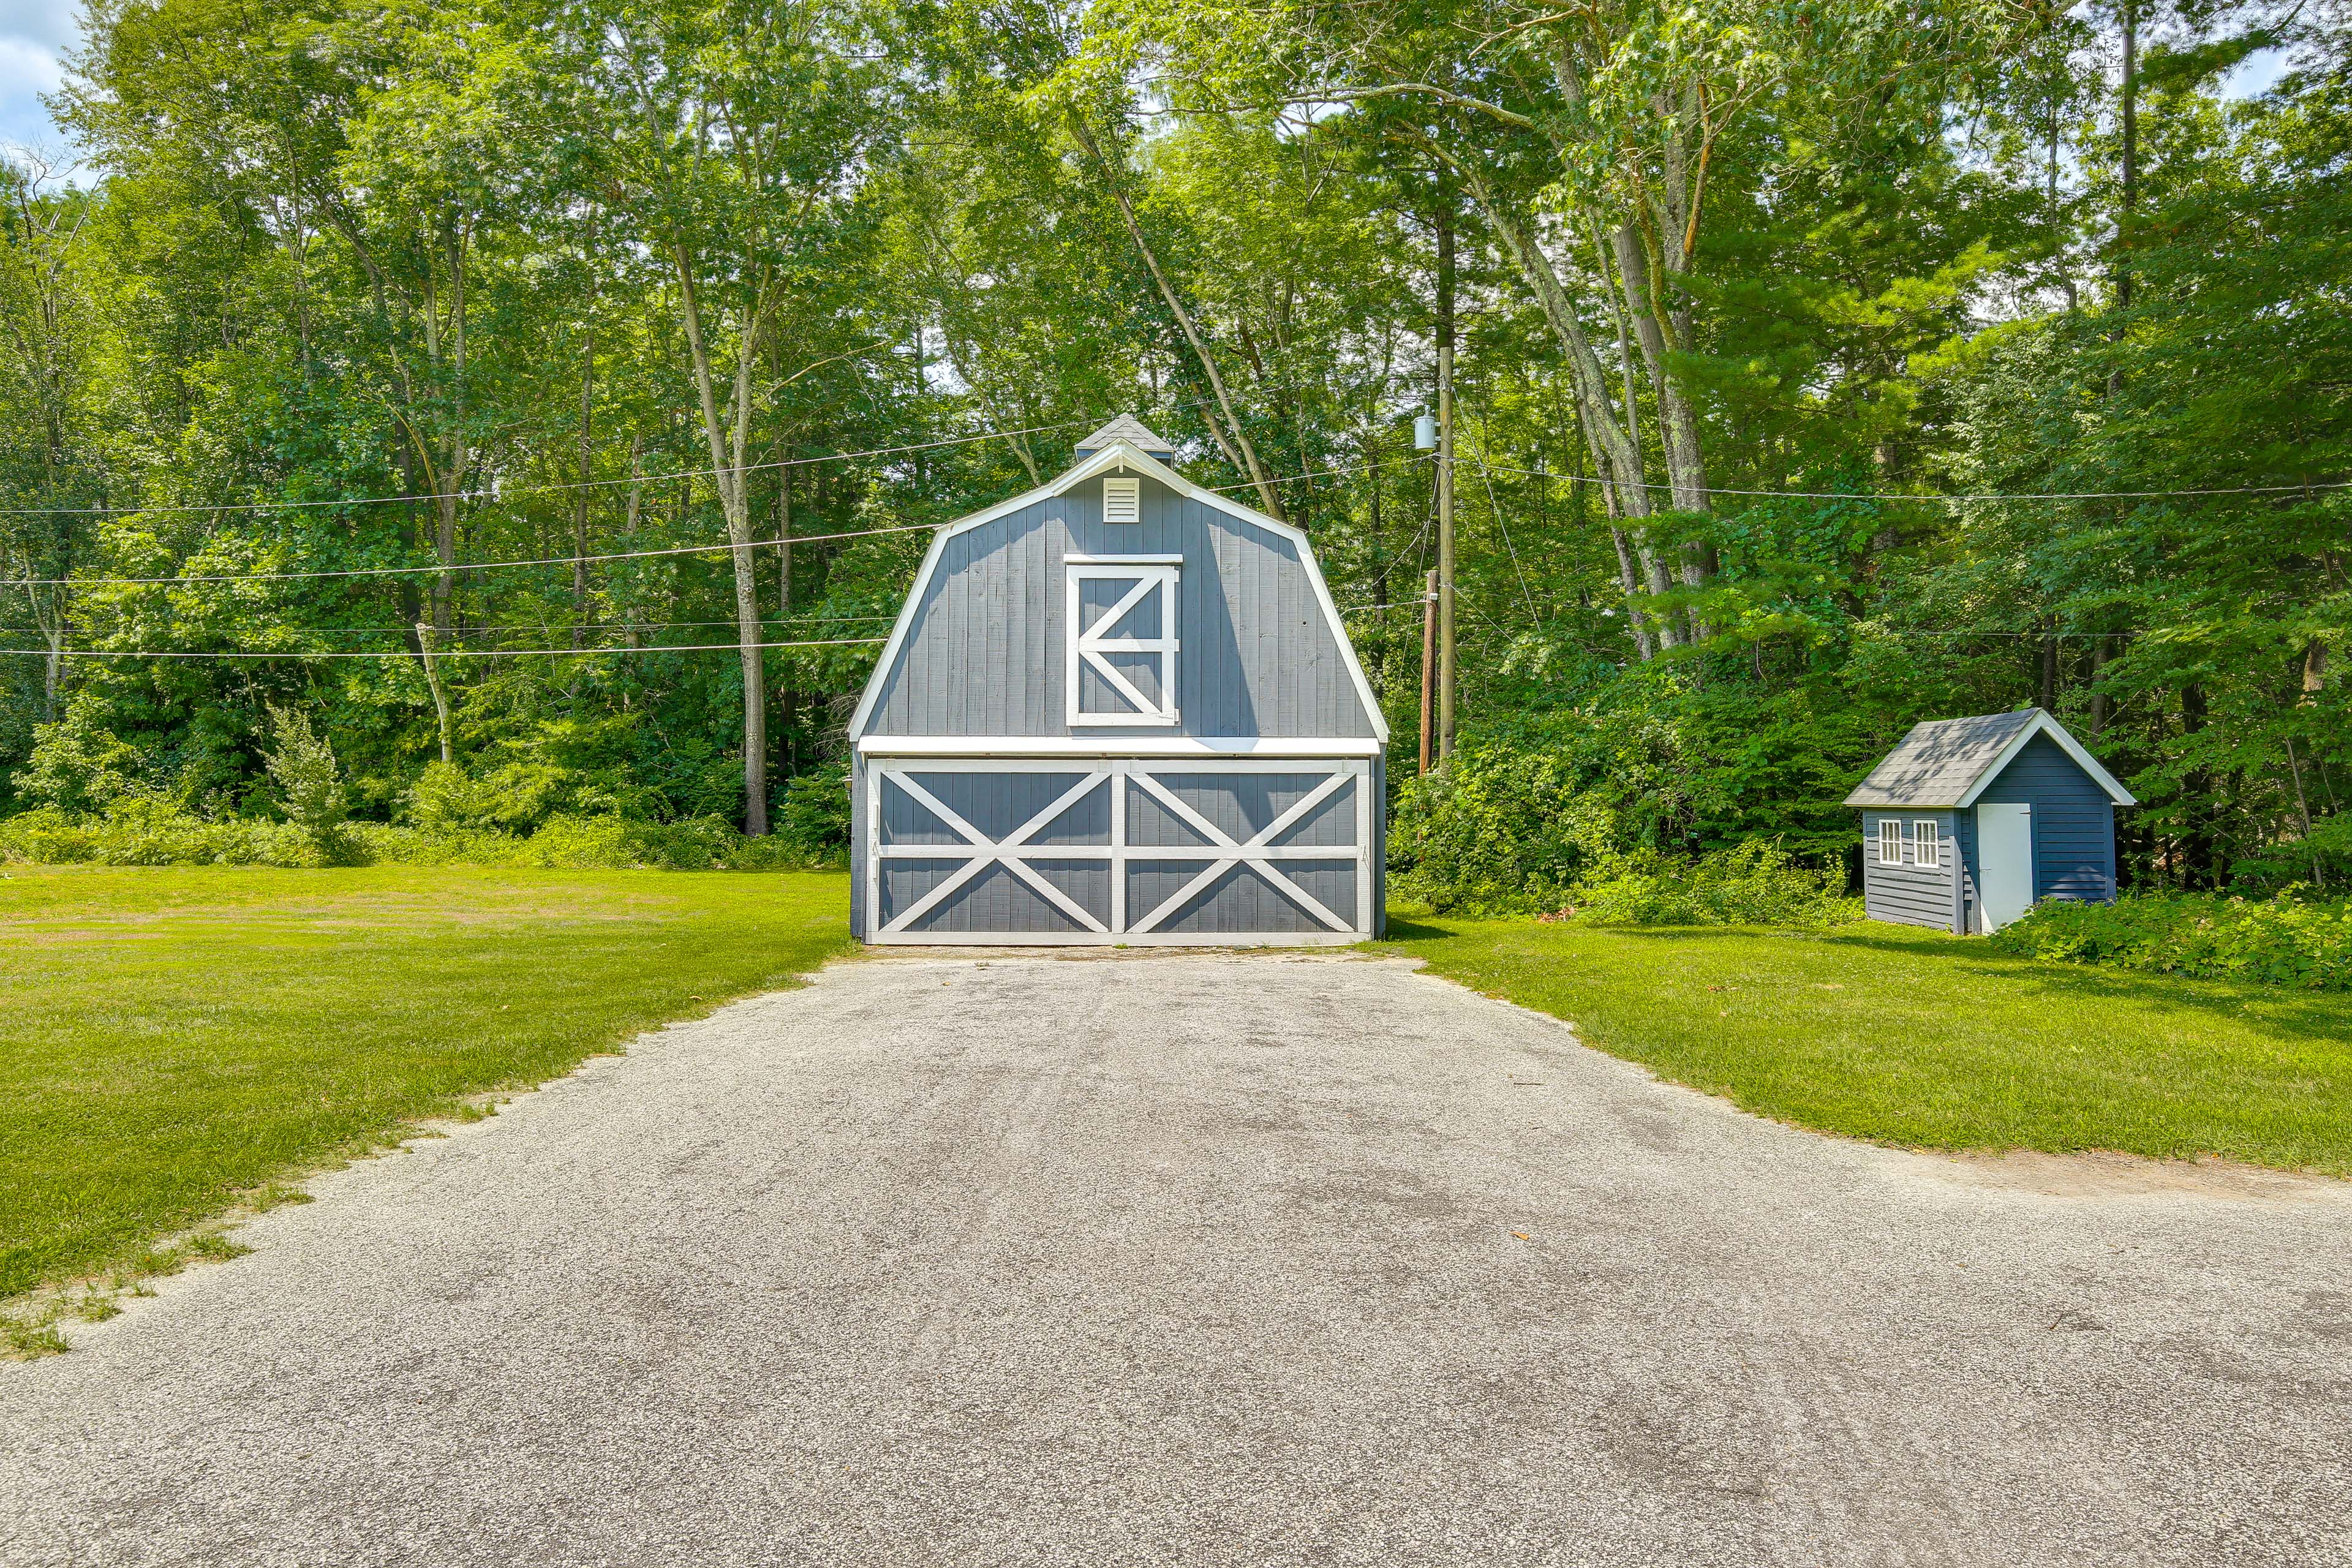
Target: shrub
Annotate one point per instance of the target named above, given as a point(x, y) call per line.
point(78, 766)
point(447, 799)
point(2282, 941)
point(309, 784)
point(147, 831)
point(1756, 883)
point(814, 814)
point(1497, 830)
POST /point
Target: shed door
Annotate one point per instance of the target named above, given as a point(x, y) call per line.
point(2005, 862)
point(1147, 851)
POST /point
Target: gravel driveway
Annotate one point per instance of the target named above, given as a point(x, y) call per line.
point(1199, 1260)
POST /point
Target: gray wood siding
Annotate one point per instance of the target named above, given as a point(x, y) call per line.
point(985, 652)
point(1241, 902)
point(996, 900)
point(1241, 805)
point(1907, 894)
point(2073, 822)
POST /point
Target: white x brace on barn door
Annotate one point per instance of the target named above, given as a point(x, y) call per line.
point(1147, 851)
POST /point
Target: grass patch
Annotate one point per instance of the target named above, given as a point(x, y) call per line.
point(175, 1042)
point(1914, 1037)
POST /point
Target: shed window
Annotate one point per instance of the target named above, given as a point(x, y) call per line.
point(1890, 841)
point(1927, 851)
point(1122, 500)
point(1122, 642)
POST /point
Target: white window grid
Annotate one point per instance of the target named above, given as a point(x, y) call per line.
point(1926, 844)
point(1090, 643)
point(1890, 841)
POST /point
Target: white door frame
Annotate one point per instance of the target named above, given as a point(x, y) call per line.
point(1219, 854)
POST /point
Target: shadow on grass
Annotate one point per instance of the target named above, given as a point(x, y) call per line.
point(2306, 1014)
point(1403, 930)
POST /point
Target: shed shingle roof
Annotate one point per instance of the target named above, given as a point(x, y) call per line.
point(1126, 427)
point(1944, 762)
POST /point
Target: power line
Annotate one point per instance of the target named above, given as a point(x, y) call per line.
point(436, 569)
point(545, 625)
point(463, 566)
point(1318, 474)
point(438, 653)
point(1903, 498)
point(502, 492)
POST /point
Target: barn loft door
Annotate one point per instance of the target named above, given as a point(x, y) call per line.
point(1120, 850)
point(1121, 616)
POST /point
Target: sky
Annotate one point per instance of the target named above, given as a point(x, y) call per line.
point(33, 32)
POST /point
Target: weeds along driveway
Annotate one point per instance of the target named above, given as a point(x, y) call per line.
point(1198, 1260)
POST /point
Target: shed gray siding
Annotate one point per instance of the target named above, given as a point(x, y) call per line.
point(1908, 894)
point(2073, 822)
point(984, 654)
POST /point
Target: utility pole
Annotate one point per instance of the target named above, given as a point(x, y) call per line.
point(1428, 668)
point(1446, 662)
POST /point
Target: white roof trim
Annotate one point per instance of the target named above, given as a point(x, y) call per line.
point(1124, 457)
point(983, 746)
point(2043, 724)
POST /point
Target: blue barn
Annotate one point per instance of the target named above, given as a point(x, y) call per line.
point(1118, 709)
point(1971, 822)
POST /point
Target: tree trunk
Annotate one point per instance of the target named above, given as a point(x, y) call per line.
point(1613, 441)
point(727, 472)
point(1446, 543)
point(1231, 435)
point(2100, 702)
point(579, 502)
point(2130, 192)
point(425, 650)
point(2197, 837)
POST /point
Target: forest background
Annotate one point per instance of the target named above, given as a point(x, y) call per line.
point(1818, 368)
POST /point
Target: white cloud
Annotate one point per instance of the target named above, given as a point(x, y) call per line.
point(40, 22)
point(29, 66)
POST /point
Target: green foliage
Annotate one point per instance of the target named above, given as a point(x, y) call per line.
point(2282, 941)
point(813, 816)
point(144, 830)
point(1753, 884)
point(1497, 830)
point(446, 799)
point(78, 766)
point(309, 784)
point(440, 257)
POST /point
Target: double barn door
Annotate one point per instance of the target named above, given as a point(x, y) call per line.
point(1120, 850)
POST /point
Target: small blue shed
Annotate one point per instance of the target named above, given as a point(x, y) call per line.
point(1971, 822)
point(1118, 709)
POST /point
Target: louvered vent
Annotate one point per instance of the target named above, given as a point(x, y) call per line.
point(1122, 500)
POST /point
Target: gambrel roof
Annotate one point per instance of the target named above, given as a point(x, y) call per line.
point(1124, 452)
point(1949, 761)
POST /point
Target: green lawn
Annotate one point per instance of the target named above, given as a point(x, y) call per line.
point(1910, 1036)
point(173, 1037)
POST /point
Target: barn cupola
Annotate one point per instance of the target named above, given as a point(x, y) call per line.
point(1126, 427)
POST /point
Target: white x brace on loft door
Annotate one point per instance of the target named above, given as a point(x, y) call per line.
point(1119, 611)
point(1147, 851)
